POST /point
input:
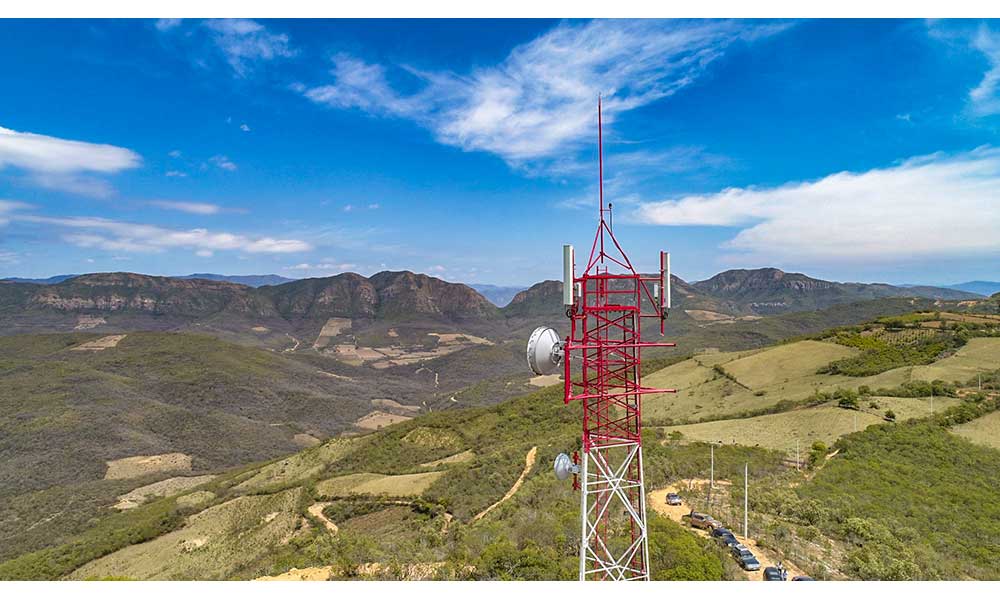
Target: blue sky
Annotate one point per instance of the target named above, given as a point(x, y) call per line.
point(849, 150)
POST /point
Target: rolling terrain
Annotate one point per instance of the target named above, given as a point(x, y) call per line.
point(143, 432)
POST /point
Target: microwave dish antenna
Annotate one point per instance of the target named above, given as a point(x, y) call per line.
point(545, 351)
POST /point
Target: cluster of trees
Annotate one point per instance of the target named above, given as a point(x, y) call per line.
point(878, 356)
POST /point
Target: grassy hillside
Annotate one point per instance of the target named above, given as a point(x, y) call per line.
point(533, 535)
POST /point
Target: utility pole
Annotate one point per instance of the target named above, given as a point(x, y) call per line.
point(797, 463)
point(712, 480)
point(746, 496)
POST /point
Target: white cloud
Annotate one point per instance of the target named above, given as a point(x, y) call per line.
point(174, 154)
point(64, 165)
point(176, 174)
point(925, 207)
point(374, 206)
point(348, 207)
point(542, 97)
point(9, 258)
point(245, 127)
point(61, 164)
point(107, 234)
point(245, 42)
point(985, 97)
point(223, 162)
point(195, 208)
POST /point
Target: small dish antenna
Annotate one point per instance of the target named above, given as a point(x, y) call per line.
point(564, 467)
point(545, 351)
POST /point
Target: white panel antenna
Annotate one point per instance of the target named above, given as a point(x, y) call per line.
point(568, 275)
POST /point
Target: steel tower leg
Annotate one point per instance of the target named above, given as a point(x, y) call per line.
point(611, 496)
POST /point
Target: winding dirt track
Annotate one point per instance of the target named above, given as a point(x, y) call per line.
point(316, 510)
point(529, 461)
point(658, 501)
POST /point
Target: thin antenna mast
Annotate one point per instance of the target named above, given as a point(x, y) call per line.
point(600, 171)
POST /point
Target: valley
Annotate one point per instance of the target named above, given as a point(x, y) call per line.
point(421, 449)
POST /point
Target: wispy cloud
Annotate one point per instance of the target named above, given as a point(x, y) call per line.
point(925, 207)
point(111, 235)
point(245, 128)
point(195, 208)
point(985, 97)
point(323, 268)
point(61, 164)
point(167, 24)
point(176, 174)
point(245, 43)
point(539, 102)
point(223, 162)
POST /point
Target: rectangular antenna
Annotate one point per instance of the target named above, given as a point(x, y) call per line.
point(568, 275)
point(665, 274)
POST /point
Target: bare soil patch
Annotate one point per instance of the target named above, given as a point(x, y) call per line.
point(393, 405)
point(108, 341)
point(332, 328)
point(305, 440)
point(545, 380)
point(379, 419)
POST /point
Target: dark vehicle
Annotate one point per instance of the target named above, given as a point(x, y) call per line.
point(803, 578)
point(724, 537)
point(773, 574)
point(745, 558)
point(673, 499)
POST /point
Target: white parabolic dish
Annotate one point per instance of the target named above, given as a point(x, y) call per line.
point(544, 351)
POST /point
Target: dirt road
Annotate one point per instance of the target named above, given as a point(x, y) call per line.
point(658, 501)
point(529, 461)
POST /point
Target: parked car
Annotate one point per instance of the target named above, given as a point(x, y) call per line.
point(745, 558)
point(773, 574)
point(674, 499)
point(699, 520)
point(726, 539)
point(802, 578)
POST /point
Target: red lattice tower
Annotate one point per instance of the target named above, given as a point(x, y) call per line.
point(606, 311)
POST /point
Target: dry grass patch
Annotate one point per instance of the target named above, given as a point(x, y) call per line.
point(461, 457)
point(138, 466)
point(167, 487)
point(984, 430)
point(376, 484)
point(780, 431)
point(214, 544)
point(304, 465)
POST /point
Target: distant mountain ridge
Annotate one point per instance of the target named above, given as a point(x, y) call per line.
point(301, 307)
point(250, 280)
point(770, 290)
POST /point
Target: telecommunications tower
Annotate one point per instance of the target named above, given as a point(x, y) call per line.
point(606, 310)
